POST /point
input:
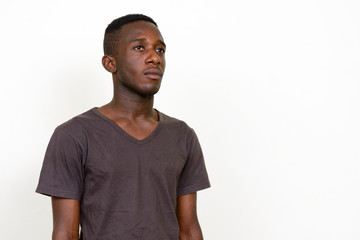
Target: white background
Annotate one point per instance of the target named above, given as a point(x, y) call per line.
point(271, 88)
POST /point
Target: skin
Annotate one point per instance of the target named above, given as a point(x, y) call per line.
point(66, 218)
point(137, 69)
point(187, 217)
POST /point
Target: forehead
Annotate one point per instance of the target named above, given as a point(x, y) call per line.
point(139, 29)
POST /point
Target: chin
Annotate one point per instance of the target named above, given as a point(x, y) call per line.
point(151, 92)
point(152, 88)
point(148, 91)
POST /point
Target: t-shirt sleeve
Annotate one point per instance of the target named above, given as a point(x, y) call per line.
point(62, 172)
point(194, 176)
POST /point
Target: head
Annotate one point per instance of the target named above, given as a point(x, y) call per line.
point(135, 54)
point(112, 30)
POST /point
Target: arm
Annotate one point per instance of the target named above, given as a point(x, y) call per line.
point(66, 217)
point(187, 218)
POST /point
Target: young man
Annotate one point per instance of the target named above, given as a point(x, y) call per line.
point(125, 170)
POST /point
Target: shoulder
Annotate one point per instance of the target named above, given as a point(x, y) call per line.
point(77, 121)
point(174, 123)
point(77, 126)
point(179, 128)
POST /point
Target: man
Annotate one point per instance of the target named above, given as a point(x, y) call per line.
point(125, 170)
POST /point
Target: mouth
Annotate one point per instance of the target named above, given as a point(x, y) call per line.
point(153, 73)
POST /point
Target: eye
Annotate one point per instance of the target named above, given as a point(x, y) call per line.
point(161, 50)
point(139, 48)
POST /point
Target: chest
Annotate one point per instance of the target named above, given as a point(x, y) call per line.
point(118, 160)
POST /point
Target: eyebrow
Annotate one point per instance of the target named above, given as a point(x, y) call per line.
point(144, 39)
point(162, 42)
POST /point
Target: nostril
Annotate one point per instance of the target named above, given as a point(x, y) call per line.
point(153, 58)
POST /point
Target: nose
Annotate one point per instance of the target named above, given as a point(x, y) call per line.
point(153, 57)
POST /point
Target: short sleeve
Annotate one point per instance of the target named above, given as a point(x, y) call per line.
point(62, 172)
point(194, 176)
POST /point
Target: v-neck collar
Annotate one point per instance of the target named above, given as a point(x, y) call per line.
point(127, 135)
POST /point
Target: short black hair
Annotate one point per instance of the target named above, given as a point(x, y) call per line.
point(112, 29)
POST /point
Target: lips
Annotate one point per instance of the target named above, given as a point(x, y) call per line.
point(153, 73)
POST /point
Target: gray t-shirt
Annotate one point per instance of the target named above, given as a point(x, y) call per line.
point(127, 188)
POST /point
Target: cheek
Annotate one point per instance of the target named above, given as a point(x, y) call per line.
point(129, 72)
point(134, 65)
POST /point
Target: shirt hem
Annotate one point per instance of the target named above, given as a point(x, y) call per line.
point(57, 193)
point(192, 189)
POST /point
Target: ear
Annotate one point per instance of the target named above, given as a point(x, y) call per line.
point(109, 63)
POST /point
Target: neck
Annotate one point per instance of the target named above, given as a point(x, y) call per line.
point(125, 105)
point(130, 105)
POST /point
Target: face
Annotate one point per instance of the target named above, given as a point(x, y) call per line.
point(140, 58)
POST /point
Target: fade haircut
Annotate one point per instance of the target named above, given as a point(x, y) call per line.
point(112, 30)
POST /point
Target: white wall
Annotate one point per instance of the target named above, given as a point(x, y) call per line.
point(271, 87)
